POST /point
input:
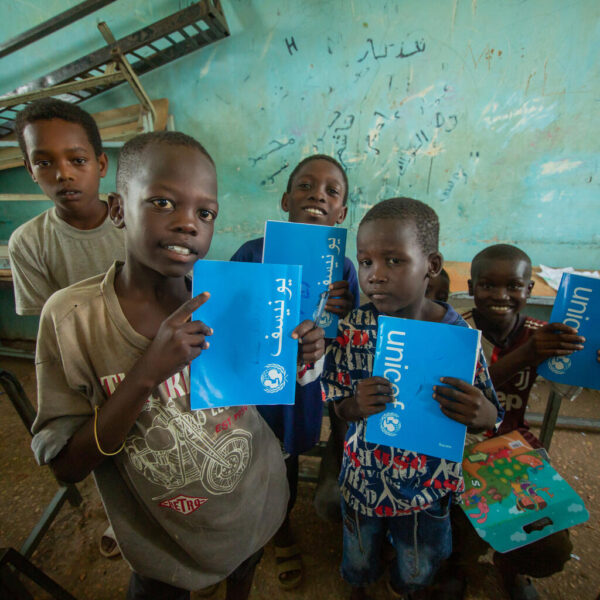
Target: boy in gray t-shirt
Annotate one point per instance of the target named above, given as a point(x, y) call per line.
point(74, 239)
point(191, 502)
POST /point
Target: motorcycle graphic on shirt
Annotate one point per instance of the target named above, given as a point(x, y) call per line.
point(177, 451)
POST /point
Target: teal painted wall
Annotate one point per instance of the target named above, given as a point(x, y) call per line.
point(485, 110)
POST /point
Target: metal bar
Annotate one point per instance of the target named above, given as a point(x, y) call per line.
point(133, 41)
point(10, 556)
point(38, 532)
point(51, 25)
point(62, 88)
point(578, 423)
point(550, 417)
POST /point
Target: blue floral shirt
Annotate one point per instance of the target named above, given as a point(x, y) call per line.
point(378, 480)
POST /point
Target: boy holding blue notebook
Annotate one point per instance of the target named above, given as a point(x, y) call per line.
point(514, 345)
point(388, 491)
point(191, 503)
point(317, 193)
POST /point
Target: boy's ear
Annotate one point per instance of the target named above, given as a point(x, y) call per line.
point(115, 210)
point(284, 202)
point(470, 284)
point(342, 215)
point(103, 163)
point(436, 262)
point(530, 287)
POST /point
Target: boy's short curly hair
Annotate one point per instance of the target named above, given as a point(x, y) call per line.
point(499, 252)
point(51, 108)
point(132, 151)
point(319, 157)
point(426, 221)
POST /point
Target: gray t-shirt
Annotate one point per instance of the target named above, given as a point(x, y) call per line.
point(193, 493)
point(47, 254)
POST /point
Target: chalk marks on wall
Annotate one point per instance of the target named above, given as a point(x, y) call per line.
point(416, 47)
point(278, 145)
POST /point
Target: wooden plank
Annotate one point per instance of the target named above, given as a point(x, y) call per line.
point(115, 125)
point(32, 198)
point(63, 88)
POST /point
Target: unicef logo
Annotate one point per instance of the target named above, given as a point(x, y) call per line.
point(559, 364)
point(390, 423)
point(326, 320)
point(273, 378)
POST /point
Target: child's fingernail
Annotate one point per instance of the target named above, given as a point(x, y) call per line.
point(435, 388)
point(443, 379)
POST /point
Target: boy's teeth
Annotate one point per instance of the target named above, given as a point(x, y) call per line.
point(179, 250)
point(314, 211)
point(500, 308)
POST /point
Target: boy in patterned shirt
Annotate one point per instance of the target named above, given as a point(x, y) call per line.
point(388, 491)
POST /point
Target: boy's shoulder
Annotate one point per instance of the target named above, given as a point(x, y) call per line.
point(79, 296)
point(250, 251)
point(31, 232)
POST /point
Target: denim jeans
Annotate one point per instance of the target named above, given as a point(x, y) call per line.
point(422, 540)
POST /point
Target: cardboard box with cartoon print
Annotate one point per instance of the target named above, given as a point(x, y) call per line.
point(513, 497)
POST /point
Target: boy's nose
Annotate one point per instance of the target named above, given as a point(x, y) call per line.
point(64, 171)
point(500, 292)
point(377, 275)
point(185, 223)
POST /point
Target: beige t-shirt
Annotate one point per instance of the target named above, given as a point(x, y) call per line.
point(193, 493)
point(47, 254)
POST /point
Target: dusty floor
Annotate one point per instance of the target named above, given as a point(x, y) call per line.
point(69, 551)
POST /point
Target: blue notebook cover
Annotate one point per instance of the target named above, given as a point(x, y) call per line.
point(413, 355)
point(577, 304)
point(320, 250)
point(253, 309)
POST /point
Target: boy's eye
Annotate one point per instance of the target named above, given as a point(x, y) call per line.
point(80, 161)
point(207, 215)
point(364, 263)
point(333, 191)
point(162, 203)
point(394, 261)
point(304, 186)
point(41, 163)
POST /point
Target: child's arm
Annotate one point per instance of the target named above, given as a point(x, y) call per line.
point(466, 404)
point(32, 282)
point(370, 397)
point(553, 339)
point(177, 342)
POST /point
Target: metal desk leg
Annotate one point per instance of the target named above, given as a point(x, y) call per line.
point(550, 417)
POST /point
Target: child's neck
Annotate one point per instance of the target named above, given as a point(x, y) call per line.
point(147, 298)
point(495, 332)
point(424, 310)
point(84, 217)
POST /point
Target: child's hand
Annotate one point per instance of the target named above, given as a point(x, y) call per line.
point(372, 394)
point(553, 339)
point(465, 403)
point(177, 342)
point(370, 397)
point(311, 341)
point(341, 299)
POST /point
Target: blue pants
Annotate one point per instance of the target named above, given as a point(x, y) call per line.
point(422, 540)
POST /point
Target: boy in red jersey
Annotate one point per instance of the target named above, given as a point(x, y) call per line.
point(514, 346)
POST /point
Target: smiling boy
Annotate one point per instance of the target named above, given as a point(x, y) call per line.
point(514, 345)
point(316, 194)
point(74, 239)
point(190, 503)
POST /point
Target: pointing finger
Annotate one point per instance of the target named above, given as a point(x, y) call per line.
point(184, 312)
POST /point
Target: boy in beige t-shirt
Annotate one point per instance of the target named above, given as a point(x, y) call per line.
point(191, 502)
point(74, 239)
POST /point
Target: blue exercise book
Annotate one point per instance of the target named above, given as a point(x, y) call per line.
point(320, 250)
point(413, 355)
point(252, 309)
point(577, 304)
